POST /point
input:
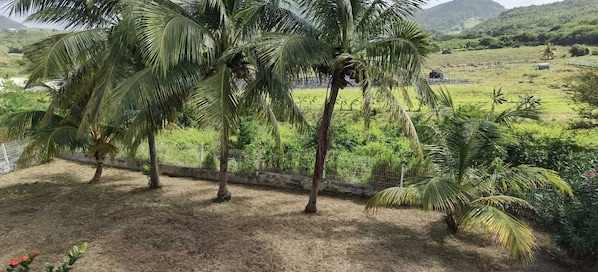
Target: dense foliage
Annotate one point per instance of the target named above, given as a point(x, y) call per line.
point(584, 92)
point(572, 221)
point(563, 23)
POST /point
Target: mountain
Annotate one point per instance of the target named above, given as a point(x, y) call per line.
point(457, 15)
point(6, 23)
point(565, 22)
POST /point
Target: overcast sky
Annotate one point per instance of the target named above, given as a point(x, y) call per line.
point(506, 3)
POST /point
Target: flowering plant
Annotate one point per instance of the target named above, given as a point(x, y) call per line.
point(23, 264)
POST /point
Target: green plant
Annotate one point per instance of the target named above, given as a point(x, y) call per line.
point(23, 264)
point(583, 91)
point(578, 50)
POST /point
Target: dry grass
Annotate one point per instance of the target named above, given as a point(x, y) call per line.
point(179, 228)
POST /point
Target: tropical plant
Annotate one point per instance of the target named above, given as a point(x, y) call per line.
point(23, 264)
point(366, 42)
point(498, 98)
point(470, 182)
point(578, 50)
point(96, 60)
point(210, 45)
point(583, 91)
point(549, 51)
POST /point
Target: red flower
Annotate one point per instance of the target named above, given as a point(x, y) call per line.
point(34, 253)
point(13, 262)
point(24, 258)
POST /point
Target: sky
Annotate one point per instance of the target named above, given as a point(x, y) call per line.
point(506, 3)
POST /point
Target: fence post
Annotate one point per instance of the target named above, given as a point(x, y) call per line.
point(258, 163)
point(5, 155)
point(201, 156)
point(402, 173)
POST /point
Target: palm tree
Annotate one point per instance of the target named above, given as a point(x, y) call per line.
point(367, 41)
point(549, 51)
point(470, 182)
point(498, 98)
point(104, 53)
point(211, 40)
point(52, 131)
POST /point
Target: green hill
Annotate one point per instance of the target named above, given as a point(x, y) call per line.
point(457, 15)
point(6, 23)
point(12, 43)
point(565, 23)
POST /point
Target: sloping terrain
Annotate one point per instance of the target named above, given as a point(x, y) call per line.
point(457, 15)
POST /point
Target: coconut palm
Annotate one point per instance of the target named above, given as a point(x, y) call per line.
point(470, 183)
point(366, 42)
point(212, 40)
point(105, 53)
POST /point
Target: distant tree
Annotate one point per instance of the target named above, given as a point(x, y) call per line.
point(578, 50)
point(549, 51)
point(498, 98)
point(584, 92)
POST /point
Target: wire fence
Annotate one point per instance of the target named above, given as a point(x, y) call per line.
point(377, 171)
point(9, 155)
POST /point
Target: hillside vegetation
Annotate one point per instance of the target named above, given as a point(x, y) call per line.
point(457, 15)
point(11, 47)
point(564, 23)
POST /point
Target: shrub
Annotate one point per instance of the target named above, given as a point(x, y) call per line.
point(584, 92)
point(23, 264)
point(595, 52)
point(436, 73)
point(578, 50)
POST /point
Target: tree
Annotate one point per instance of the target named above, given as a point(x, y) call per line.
point(549, 51)
point(498, 98)
point(583, 91)
point(213, 44)
point(578, 50)
point(98, 58)
point(470, 182)
point(369, 42)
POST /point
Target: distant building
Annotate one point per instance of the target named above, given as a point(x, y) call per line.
point(543, 66)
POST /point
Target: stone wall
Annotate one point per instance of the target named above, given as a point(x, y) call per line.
point(261, 178)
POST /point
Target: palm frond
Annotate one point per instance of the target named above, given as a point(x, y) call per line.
point(169, 38)
point(394, 196)
point(56, 56)
point(512, 234)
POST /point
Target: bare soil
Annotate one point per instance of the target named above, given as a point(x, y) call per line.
point(179, 228)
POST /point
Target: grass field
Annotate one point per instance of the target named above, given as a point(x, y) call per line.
point(179, 228)
point(512, 69)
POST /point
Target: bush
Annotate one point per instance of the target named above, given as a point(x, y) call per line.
point(436, 73)
point(584, 92)
point(595, 52)
point(15, 50)
point(573, 221)
point(578, 50)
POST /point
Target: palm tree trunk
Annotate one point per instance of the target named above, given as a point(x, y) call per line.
point(154, 173)
point(323, 143)
point(451, 225)
point(223, 193)
point(99, 168)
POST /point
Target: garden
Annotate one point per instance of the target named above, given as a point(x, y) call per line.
point(493, 172)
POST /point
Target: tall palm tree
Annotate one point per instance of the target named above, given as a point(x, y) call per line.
point(367, 41)
point(470, 182)
point(212, 40)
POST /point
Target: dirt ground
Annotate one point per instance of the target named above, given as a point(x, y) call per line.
point(179, 228)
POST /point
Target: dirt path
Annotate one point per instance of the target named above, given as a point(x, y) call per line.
point(179, 228)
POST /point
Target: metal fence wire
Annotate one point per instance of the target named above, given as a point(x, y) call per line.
point(380, 172)
point(9, 155)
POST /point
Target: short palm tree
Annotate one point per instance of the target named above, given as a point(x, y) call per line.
point(470, 182)
point(366, 42)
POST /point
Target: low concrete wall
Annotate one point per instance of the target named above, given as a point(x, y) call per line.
point(262, 178)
